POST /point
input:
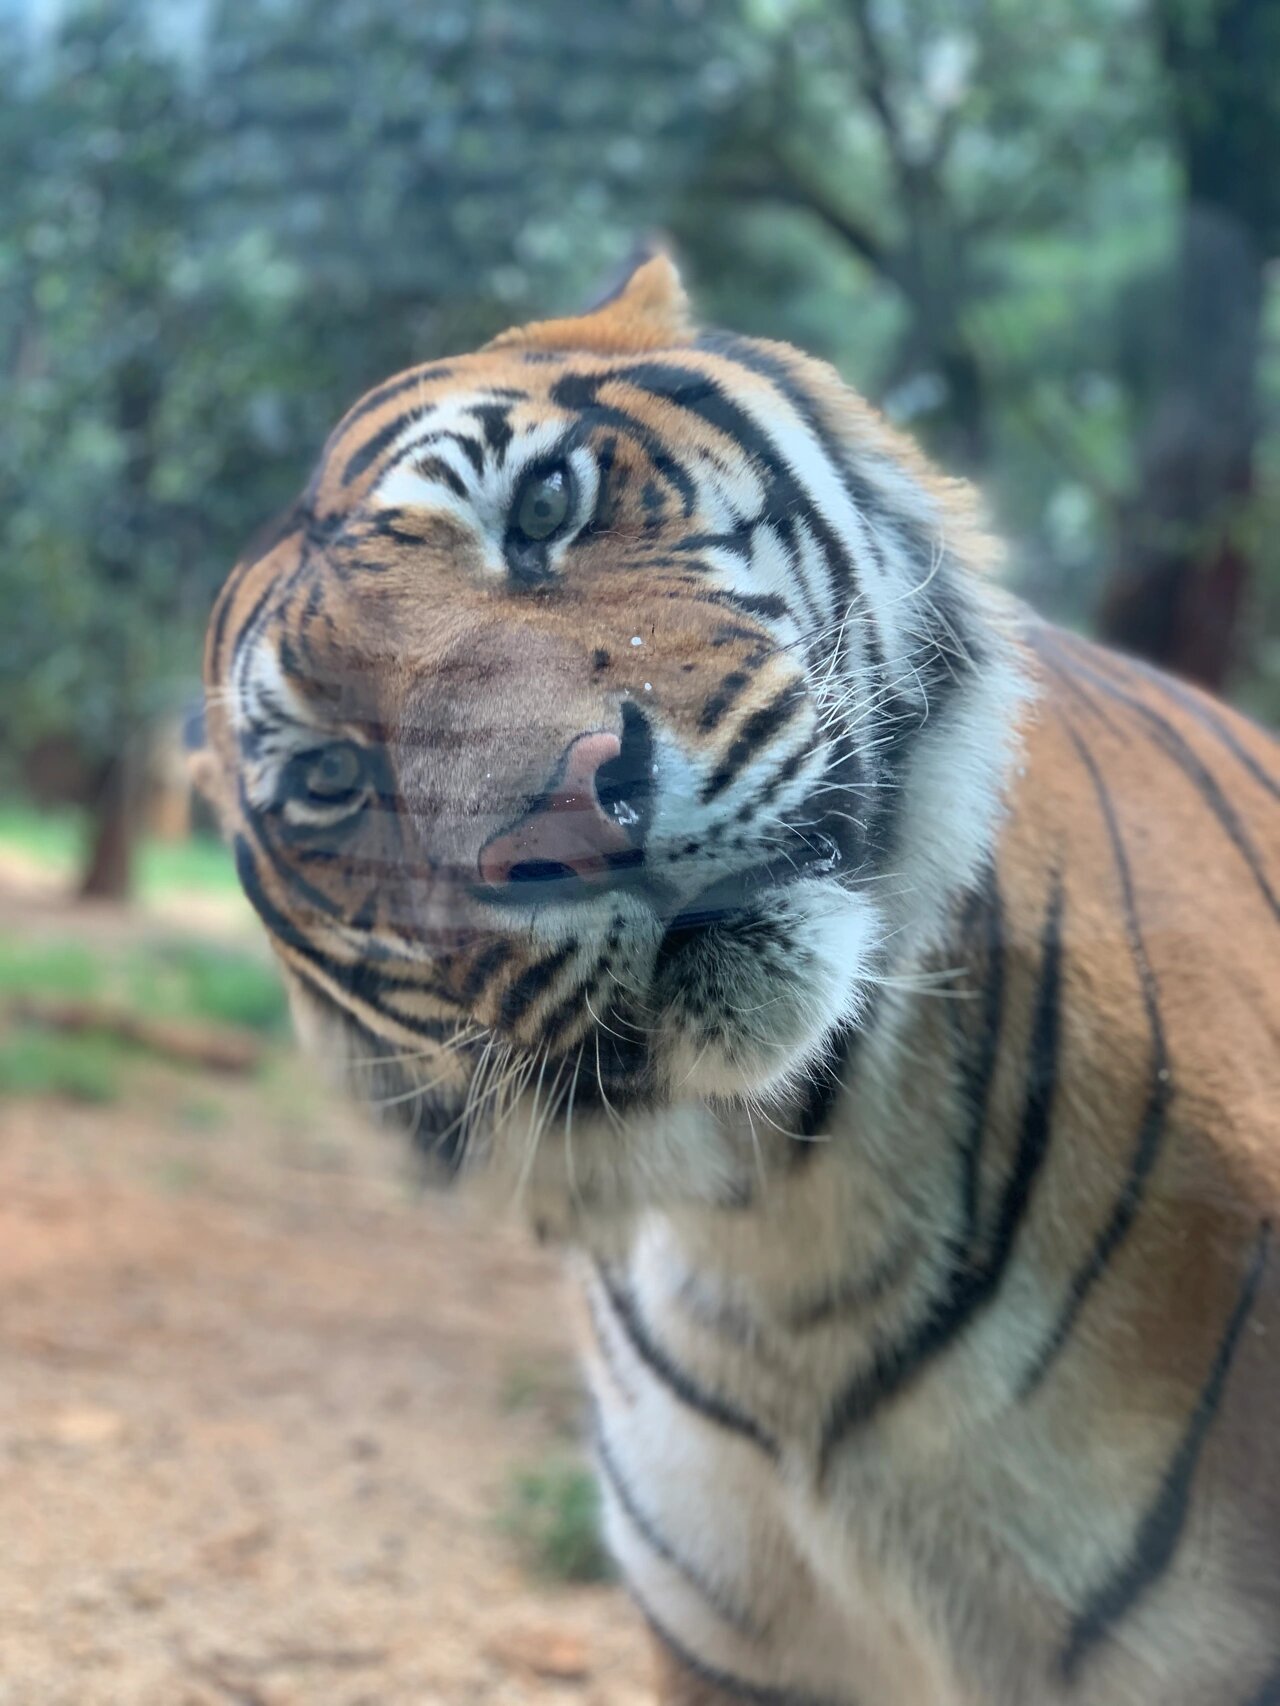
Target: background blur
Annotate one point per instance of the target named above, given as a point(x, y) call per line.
point(250, 1388)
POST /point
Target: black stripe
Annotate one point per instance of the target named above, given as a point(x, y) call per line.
point(826, 1079)
point(733, 1688)
point(1173, 743)
point(385, 525)
point(855, 1292)
point(495, 423)
point(973, 1285)
point(686, 388)
point(723, 697)
point(291, 522)
point(360, 981)
point(788, 534)
point(470, 447)
point(1060, 671)
point(532, 982)
point(570, 1007)
point(728, 632)
point(917, 541)
point(284, 867)
point(978, 1070)
point(436, 468)
point(742, 353)
point(785, 497)
point(1204, 712)
point(578, 392)
point(1156, 1538)
point(657, 1542)
point(609, 489)
point(766, 604)
point(707, 1404)
point(653, 504)
point(262, 544)
point(760, 727)
point(483, 968)
point(602, 1339)
point(738, 541)
point(429, 373)
point(785, 773)
point(361, 460)
point(1151, 1132)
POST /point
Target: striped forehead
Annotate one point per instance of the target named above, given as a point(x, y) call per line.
point(466, 446)
point(732, 427)
point(464, 451)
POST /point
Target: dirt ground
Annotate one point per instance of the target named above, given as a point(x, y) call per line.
point(261, 1401)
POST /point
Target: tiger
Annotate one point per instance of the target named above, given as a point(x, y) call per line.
point(655, 799)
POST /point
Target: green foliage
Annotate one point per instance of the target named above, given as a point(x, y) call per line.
point(65, 969)
point(176, 978)
point(188, 979)
point(84, 1066)
point(553, 1513)
point(215, 235)
point(56, 837)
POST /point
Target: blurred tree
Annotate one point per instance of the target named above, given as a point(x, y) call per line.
point(1194, 344)
point(93, 246)
point(929, 140)
point(432, 173)
point(1057, 224)
point(1037, 234)
point(209, 254)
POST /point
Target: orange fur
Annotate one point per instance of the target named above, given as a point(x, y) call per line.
point(1130, 928)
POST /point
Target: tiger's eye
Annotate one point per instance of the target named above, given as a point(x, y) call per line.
point(335, 772)
point(542, 504)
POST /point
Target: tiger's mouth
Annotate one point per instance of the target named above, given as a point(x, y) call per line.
point(716, 992)
point(734, 894)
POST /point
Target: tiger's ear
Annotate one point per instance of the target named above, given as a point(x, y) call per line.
point(649, 310)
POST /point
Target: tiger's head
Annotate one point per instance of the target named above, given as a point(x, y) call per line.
point(614, 707)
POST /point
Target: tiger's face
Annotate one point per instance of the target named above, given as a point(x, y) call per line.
point(563, 734)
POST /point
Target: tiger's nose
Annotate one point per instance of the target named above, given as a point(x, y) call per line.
point(587, 824)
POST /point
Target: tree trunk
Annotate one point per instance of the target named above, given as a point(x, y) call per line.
point(1183, 573)
point(1183, 570)
point(108, 873)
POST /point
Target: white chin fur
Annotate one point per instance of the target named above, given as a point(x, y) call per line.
point(700, 1144)
point(748, 1020)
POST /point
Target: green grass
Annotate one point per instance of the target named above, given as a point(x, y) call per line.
point(165, 978)
point(155, 974)
point(57, 839)
point(549, 1390)
point(84, 1065)
point(553, 1514)
point(51, 837)
point(192, 980)
point(65, 969)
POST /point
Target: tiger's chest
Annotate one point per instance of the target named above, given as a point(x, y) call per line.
point(938, 1557)
point(833, 1585)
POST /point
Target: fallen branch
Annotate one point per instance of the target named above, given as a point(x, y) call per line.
point(218, 1048)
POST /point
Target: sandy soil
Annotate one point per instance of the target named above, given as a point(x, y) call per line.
point(260, 1403)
